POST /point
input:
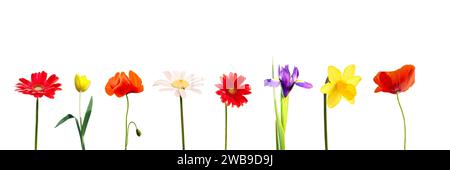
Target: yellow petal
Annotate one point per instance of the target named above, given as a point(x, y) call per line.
point(327, 88)
point(81, 83)
point(349, 92)
point(333, 98)
point(334, 74)
point(354, 81)
point(349, 71)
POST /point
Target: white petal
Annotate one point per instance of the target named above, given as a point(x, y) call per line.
point(177, 93)
point(166, 89)
point(168, 75)
point(182, 93)
point(162, 83)
point(195, 90)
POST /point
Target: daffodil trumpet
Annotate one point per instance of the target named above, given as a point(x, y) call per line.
point(287, 81)
point(81, 85)
point(338, 85)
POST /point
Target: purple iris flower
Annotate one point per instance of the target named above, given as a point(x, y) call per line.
point(287, 80)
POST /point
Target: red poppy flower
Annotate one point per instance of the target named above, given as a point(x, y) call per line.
point(232, 90)
point(395, 81)
point(39, 85)
point(121, 84)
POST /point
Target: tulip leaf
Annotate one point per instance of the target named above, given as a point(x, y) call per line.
point(64, 119)
point(87, 115)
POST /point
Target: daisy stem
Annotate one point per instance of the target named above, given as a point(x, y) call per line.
point(37, 125)
point(404, 122)
point(226, 126)
point(126, 123)
point(182, 121)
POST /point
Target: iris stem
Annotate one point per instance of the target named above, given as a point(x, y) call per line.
point(36, 125)
point(182, 121)
point(404, 122)
point(126, 123)
point(226, 126)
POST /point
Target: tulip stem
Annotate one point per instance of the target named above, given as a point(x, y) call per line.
point(404, 122)
point(182, 121)
point(81, 122)
point(36, 125)
point(126, 123)
point(226, 126)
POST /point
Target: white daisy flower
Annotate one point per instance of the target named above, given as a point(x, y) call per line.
point(178, 82)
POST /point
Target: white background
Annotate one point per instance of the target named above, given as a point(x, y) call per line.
point(209, 38)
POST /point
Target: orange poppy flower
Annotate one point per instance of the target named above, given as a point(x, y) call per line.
point(395, 81)
point(121, 84)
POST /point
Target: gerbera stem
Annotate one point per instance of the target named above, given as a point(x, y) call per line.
point(36, 125)
point(126, 123)
point(404, 122)
point(226, 126)
point(182, 121)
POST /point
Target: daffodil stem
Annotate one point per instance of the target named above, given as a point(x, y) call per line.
point(182, 122)
point(36, 125)
point(126, 123)
point(404, 122)
point(325, 120)
point(226, 126)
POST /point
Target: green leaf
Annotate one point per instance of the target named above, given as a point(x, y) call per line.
point(64, 119)
point(87, 115)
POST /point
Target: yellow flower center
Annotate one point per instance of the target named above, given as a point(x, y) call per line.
point(180, 84)
point(341, 86)
point(38, 87)
point(232, 91)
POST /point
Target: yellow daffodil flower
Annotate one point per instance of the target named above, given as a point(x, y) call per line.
point(340, 85)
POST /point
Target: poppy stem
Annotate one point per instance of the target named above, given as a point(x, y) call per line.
point(404, 122)
point(36, 125)
point(226, 126)
point(182, 121)
point(126, 123)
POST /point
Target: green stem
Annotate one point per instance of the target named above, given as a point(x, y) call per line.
point(325, 123)
point(226, 126)
point(182, 121)
point(81, 136)
point(126, 123)
point(36, 125)
point(325, 120)
point(404, 122)
point(81, 122)
point(79, 109)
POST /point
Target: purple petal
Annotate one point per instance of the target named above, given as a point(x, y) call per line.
point(304, 84)
point(294, 74)
point(271, 83)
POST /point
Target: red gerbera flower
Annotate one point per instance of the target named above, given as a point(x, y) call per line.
point(39, 85)
point(395, 81)
point(232, 90)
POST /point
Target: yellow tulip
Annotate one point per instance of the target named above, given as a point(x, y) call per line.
point(340, 85)
point(82, 83)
